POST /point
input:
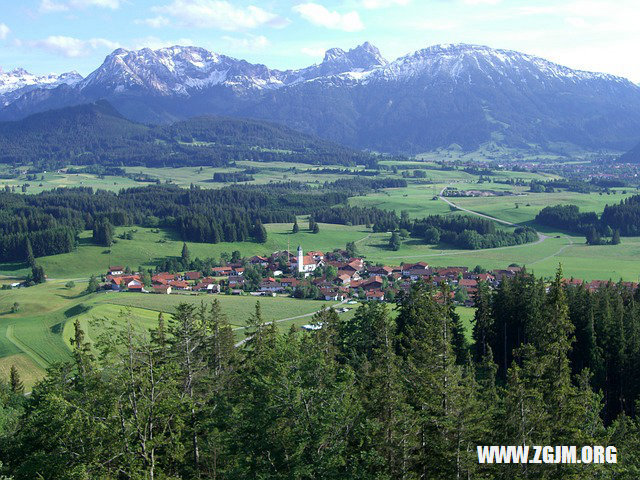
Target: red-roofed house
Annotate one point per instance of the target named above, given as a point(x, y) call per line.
point(180, 285)
point(222, 271)
point(135, 286)
point(420, 268)
point(163, 289)
point(375, 296)
point(373, 283)
point(289, 282)
point(192, 275)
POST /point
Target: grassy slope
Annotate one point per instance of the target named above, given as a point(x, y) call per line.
point(39, 334)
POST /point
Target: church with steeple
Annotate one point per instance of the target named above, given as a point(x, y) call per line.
point(304, 263)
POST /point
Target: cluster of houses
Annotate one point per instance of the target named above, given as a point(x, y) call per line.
point(117, 279)
point(596, 285)
point(330, 276)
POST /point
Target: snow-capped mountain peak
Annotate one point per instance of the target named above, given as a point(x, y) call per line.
point(435, 97)
point(17, 82)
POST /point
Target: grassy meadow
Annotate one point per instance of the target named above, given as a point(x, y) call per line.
point(38, 333)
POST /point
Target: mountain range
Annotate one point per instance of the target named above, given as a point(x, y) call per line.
point(446, 95)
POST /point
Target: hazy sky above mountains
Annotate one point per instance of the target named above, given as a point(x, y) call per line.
point(47, 36)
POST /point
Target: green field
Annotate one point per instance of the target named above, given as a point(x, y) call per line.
point(147, 248)
point(184, 176)
point(38, 334)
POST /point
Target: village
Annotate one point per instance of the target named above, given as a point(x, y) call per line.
point(330, 276)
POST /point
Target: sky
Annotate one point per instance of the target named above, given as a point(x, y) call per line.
point(55, 36)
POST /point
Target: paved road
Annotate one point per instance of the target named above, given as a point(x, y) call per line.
point(541, 237)
point(242, 342)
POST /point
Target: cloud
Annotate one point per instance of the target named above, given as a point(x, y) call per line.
point(72, 47)
point(155, 43)
point(49, 6)
point(321, 16)
point(155, 22)
point(219, 14)
point(482, 2)
point(250, 42)
point(373, 4)
point(313, 51)
point(4, 31)
point(434, 25)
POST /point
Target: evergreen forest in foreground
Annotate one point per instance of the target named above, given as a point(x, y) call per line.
point(387, 395)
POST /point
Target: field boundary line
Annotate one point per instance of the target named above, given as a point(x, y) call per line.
point(35, 356)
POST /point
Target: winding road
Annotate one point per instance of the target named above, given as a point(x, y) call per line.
point(541, 237)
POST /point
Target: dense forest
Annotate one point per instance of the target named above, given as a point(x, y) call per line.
point(380, 396)
point(567, 217)
point(96, 134)
point(52, 219)
point(460, 231)
point(469, 232)
point(623, 218)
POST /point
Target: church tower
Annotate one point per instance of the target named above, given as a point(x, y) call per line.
point(300, 259)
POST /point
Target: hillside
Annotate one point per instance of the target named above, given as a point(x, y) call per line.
point(97, 133)
point(632, 156)
point(436, 97)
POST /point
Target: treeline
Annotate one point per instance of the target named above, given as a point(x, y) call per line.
point(603, 327)
point(472, 233)
point(232, 177)
point(567, 217)
point(343, 171)
point(52, 241)
point(572, 185)
point(461, 231)
point(379, 396)
point(381, 220)
point(360, 186)
point(96, 134)
point(623, 218)
point(52, 219)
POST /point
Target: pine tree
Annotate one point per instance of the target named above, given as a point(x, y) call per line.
point(259, 232)
point(316, 228)
point(15, 383)
point(159, 335)
point(295, 228)
point(439, 392)
point(93, 285)
point(615, 239)
point(482, 322)
point(37, 274)
point(81, 351)
point(31, 261)
point(185, 256)
point(394, 242)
